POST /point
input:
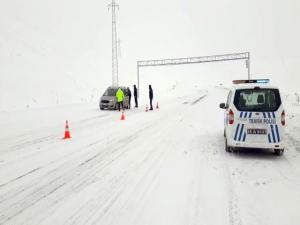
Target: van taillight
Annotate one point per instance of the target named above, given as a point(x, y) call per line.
point(283, 118)
point(231, 117)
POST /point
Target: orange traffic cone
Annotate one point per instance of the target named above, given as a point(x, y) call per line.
point(123, 116)
point(67, 132)
point(157, 105)
point(146, 110)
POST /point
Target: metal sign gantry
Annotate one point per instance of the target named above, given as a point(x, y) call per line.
point(202, 59)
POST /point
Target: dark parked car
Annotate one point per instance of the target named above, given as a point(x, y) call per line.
point(109, 100)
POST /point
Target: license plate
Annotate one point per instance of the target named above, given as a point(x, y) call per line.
point(257, 131)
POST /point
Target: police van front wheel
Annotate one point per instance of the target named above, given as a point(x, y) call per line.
point(279, 151)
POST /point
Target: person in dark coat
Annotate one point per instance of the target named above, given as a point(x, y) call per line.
point(129, 95)
point(135, 93)
point(151, 96)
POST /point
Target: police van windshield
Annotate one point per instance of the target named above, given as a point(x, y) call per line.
point(110, 92)
point(257, 100)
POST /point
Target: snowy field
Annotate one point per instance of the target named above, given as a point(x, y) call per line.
point(165, 167)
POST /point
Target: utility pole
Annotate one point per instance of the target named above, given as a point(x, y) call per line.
point(115, 78)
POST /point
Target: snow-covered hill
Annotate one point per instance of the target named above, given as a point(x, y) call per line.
point(56, 52)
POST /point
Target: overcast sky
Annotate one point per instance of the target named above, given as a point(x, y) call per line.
point(63, 47)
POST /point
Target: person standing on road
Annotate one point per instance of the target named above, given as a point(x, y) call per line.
point(135, 94)
point(151, 96)
point(129, 95)
point(120, 98)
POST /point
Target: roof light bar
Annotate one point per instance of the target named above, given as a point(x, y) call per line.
point(263, 81)
point(258, 81)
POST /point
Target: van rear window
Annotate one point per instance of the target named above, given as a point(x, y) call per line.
point(257, 100)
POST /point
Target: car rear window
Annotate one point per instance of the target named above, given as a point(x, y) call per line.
point(257, 100)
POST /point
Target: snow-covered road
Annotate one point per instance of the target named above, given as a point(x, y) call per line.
point(164, 167)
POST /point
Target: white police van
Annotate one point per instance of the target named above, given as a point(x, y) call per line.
point(254, 116)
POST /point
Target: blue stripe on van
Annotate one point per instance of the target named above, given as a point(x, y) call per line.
point(250, 115)
point(236, 131)
point(269, 114)
point(269, 137)
point(264, 115)
point(244, 138)
point(273, 115)
point(273, 134)
point(241, 132)
point(277, 132)
point(241, 115)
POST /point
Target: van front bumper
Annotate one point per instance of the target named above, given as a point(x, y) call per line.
point(107, 106)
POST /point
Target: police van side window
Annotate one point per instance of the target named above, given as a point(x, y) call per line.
point(257, 100)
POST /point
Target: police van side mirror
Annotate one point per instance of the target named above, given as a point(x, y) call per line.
point(223, 106)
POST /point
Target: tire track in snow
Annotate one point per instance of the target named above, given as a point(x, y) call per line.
point(61, 187)
point(216, 154)
point(234, 211)
point(277, 166)
point(147, 183)
point(233, 199)
point(96, 213)
point(58, 181)
point(199, 99)
point(20, 177)
point(295, 143)
point(28, 142)
point(44, 140)
point(80, 150)
point(222, 159)
point(193, 101)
